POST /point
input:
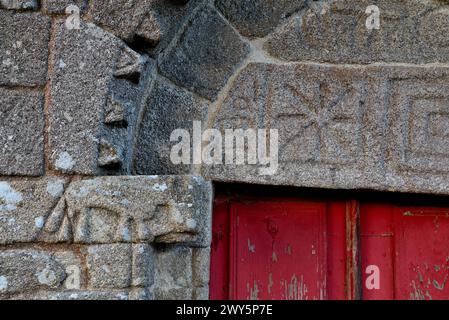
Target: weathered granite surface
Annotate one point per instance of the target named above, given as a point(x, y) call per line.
point(341, 127)
point(153, 150)
point(24, 48)
point(19, 5)
point(147, 23)
point(258, 18)
point(21, 132)
point(94, 100)
point(410, 31)
point(25, 205)
point(207, 55)
point(83, 109)
point(105, 235)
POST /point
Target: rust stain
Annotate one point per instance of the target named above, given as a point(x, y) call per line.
point(288, 250)
point(274, 257)
point(353, 287)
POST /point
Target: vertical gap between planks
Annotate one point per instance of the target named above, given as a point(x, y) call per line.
point(353, 272)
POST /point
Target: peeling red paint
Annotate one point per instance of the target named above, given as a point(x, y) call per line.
point(278, 250)
point(296, 249)
point(413, 259)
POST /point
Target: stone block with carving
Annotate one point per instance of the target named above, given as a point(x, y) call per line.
point(94, 100)
point(25, 205)
point(140, 209)
point(377, 127)
point(410, 31)
point(150, 24)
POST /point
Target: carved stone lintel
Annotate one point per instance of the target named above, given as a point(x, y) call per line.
point(141, 209)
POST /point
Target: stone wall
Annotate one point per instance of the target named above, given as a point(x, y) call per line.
point(90, 90)
point(116, 237)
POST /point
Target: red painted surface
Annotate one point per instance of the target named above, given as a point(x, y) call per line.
point(336, 255)
point(278, 249)
point(422, 253)
point(219, 265)
point(377, 245)
point(299, 249)
point(410, 246)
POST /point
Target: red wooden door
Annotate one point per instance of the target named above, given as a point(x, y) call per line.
point(278, 249)
point(410, 247)
point(299, 249)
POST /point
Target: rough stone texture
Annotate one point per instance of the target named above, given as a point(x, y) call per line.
point(201, 273)
point(27, 270)
point(182, 273)
point(113, 229)
point(133, 209)
point(143, 265)
point(338, 130)
point(92, 71)
point(159, 27)
point(59, 6)
point(21, 132)
point(120, 266)
point(151, 22)
point(256, 18)
point(109, 266)
point(122, 17)
point(19, 4)
point(163, 115)
point(73, 262)
point(355, 109)
point(23, 48)
point(174, 274)
point(24, 207)
point(207, 55)
point(201, 269)
point(411, 31)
